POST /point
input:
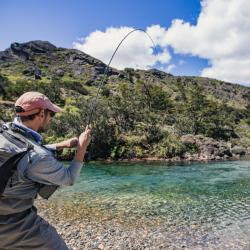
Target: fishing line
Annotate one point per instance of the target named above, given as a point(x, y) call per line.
point(94, 102)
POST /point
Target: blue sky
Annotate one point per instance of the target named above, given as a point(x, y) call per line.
point(64, 22)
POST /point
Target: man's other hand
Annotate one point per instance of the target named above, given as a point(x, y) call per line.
point(70, 143)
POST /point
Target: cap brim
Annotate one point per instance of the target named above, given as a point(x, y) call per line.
point(54, 108)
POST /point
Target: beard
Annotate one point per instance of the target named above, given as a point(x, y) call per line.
point(44, 125)
point(42, 128)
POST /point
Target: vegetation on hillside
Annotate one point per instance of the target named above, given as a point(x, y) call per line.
point(139, 113)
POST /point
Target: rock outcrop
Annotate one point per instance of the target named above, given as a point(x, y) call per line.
point(210, 149)
point(27, 50)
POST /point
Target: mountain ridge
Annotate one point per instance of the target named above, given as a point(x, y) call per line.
point(142, 113)
point(77, 64)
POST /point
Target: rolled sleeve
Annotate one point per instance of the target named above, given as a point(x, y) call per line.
point(50, 147)
point(52, 172)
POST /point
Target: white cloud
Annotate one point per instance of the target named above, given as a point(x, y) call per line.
point(168, 68)
point(221, 35)
point(136, 51)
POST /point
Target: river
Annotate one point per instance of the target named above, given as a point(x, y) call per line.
point(207, 199)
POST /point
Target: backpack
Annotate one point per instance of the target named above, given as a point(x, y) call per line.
point(12, 149)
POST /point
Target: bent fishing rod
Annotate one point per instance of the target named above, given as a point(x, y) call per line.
point(105, 76)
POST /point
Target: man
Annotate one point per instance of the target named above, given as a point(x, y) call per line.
point(20, 226)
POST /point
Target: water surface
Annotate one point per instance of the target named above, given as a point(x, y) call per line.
point(213, 197)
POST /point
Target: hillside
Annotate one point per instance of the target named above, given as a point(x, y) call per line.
point(140, 114)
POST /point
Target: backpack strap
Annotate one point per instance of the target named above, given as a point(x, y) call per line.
point(8, 168)
point(15, 139)
point(18, 136)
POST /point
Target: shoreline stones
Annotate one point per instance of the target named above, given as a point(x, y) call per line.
point(209, 149)
point(88, 231)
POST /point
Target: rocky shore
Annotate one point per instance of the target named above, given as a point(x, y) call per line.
point(206, 150)
point(209, 149)
point(91, 228)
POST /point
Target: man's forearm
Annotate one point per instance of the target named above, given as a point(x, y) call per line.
point(59, 145)
point(80, 153)
point(70, 143)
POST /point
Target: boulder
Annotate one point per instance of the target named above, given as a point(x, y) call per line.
point(33, 71)
point(238, 150)
point(158, 73)
point(5, 56)
point(248, 150)
point(33, 47)
point(208, 148)
point(27, 50)
point(38, 74)
point(100, 69)
point(18, 50)
point(77, 72)
point(60, 72)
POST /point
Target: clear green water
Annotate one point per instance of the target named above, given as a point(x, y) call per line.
point(214, 196)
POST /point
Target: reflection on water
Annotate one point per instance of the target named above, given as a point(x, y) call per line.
point(214, 196)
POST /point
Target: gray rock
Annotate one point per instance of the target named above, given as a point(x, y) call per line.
point(248, 150)
point(27, 50)
point(158, 73)
point(60, 72)
point(77, 72)
point(238, 150)
point(33, 71)
point(37, 47)
point(99, 69)
point(209, 149)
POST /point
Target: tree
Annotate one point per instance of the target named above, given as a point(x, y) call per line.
point(199, 115)
point(190, 114)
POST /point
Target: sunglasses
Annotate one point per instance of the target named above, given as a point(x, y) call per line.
point(52, 114)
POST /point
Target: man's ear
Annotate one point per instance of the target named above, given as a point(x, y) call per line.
point(42, 113)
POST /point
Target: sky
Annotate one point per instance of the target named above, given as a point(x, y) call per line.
point(206, 38)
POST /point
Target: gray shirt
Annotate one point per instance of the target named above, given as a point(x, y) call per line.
point(38, 166)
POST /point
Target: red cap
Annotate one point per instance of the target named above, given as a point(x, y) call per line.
point(31, 102)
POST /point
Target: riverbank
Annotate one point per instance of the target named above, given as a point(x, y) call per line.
point(199, 149)
point(90, 228)
point(176, 160)
point(141, 206)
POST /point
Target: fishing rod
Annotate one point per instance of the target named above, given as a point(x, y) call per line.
point(94, 102)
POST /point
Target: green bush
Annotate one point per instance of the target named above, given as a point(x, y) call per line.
point(169, 146)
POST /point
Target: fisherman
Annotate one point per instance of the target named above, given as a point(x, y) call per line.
point(38, 172)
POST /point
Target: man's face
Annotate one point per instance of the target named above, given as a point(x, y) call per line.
point(45, 118)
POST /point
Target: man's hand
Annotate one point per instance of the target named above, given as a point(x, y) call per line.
point(84, 138)
point(83, 142)
point(70, 143)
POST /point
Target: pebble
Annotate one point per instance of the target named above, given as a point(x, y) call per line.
point(101, 247)
point(86, 231)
